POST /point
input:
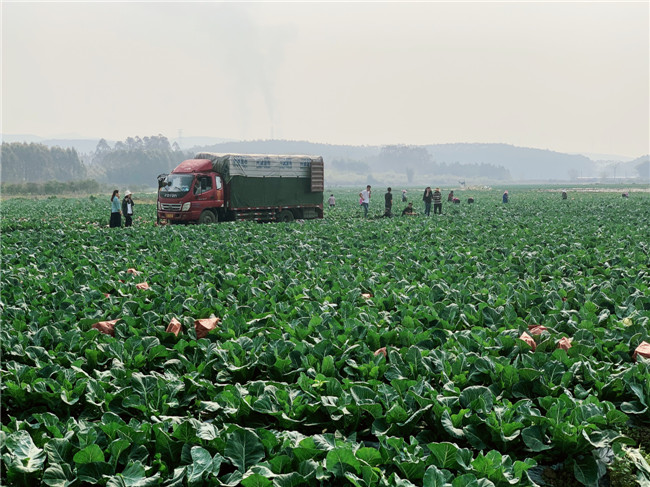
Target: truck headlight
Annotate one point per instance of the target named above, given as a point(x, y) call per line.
point(186, 206)
point(159, 206)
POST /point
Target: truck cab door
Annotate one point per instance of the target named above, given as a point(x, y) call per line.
point(204, 188)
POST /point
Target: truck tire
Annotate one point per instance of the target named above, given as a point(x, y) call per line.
point(208, 217)
point(285, 216)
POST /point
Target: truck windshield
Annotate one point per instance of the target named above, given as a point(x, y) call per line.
point(177, 183)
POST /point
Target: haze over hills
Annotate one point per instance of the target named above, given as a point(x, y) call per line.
point(404, 164)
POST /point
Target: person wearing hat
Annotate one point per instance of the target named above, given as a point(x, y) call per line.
point(437, 202)
point(127, 209)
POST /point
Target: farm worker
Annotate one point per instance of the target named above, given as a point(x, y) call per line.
point(505, 196)
point(427, 198)
point(437, 202)
point(364, 198)
point(116, 217)
point(388, 197)
point(331, 201)
point(450, 196)
point(408, 210)
point(564, 195)
point(127, 209)
point(470, 200)
point(404, 195)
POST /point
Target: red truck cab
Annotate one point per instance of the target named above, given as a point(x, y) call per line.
point(193, 192)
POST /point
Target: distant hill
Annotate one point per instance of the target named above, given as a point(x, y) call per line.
point(522, 163)
point(405, 163)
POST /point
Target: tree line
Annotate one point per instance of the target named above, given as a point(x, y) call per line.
point(135, 161)
point(85, 186)
point(37, 163)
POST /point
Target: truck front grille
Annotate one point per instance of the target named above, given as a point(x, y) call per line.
point(170, 206)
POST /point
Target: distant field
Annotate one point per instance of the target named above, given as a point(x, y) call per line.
point(349, 351)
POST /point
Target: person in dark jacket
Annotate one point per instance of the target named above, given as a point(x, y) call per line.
point(127, 209)
point(437, 202)
point(505, 196)
point(409, 210)
point(116, 217)
point(388, 198)
point(450, 196)
point(427, 198)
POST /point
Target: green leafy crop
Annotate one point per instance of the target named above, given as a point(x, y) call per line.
point(349, 351)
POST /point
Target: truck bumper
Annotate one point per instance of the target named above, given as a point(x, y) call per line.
point(176, 216)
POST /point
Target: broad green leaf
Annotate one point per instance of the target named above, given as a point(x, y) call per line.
point(25, 456)
point(133, 476)
point(341, 460)
point(90, 454)
point(244, 449)
point(444, 455)
point(59, 475)
point(256, 480)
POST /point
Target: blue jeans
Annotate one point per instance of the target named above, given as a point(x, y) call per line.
point(427, 208)
point(365, 209)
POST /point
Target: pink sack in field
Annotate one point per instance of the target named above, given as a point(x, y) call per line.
point(643, 350)
point(529, 340)
point(174, 327)
point(536, 329)
point(106, 327)
point(380, 351)
point(205, 326)
point(564, 343)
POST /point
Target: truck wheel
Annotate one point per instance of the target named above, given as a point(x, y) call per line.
point(285, 216)
point(208, 217)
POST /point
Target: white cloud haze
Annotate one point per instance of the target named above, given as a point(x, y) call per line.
point(570, 77)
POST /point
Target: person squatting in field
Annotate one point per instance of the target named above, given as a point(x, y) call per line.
point(364, 199)
point(127, 209)
point(409, 210)
point(116, 217)
point(437, 202)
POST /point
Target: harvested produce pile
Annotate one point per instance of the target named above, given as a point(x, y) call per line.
point(346, 351)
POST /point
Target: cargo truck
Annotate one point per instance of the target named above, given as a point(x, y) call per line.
point(226, 187)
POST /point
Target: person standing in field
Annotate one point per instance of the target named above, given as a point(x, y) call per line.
point(364, 198)
point(437, 202)
point(404, 195)
point(127, 209)
point(505, 196)
point(331, 201)
point(116, 217)
point(388, 197)
point(427, 198)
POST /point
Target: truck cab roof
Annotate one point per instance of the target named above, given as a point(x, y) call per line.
point(193, 166)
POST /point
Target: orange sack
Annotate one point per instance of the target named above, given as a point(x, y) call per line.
point(205, 326)
point(643, 349)
point(174, 327)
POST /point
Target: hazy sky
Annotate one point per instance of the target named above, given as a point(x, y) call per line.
point(565, 76)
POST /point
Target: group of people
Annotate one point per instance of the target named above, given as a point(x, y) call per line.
point(430, 197)
point(125, 208)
